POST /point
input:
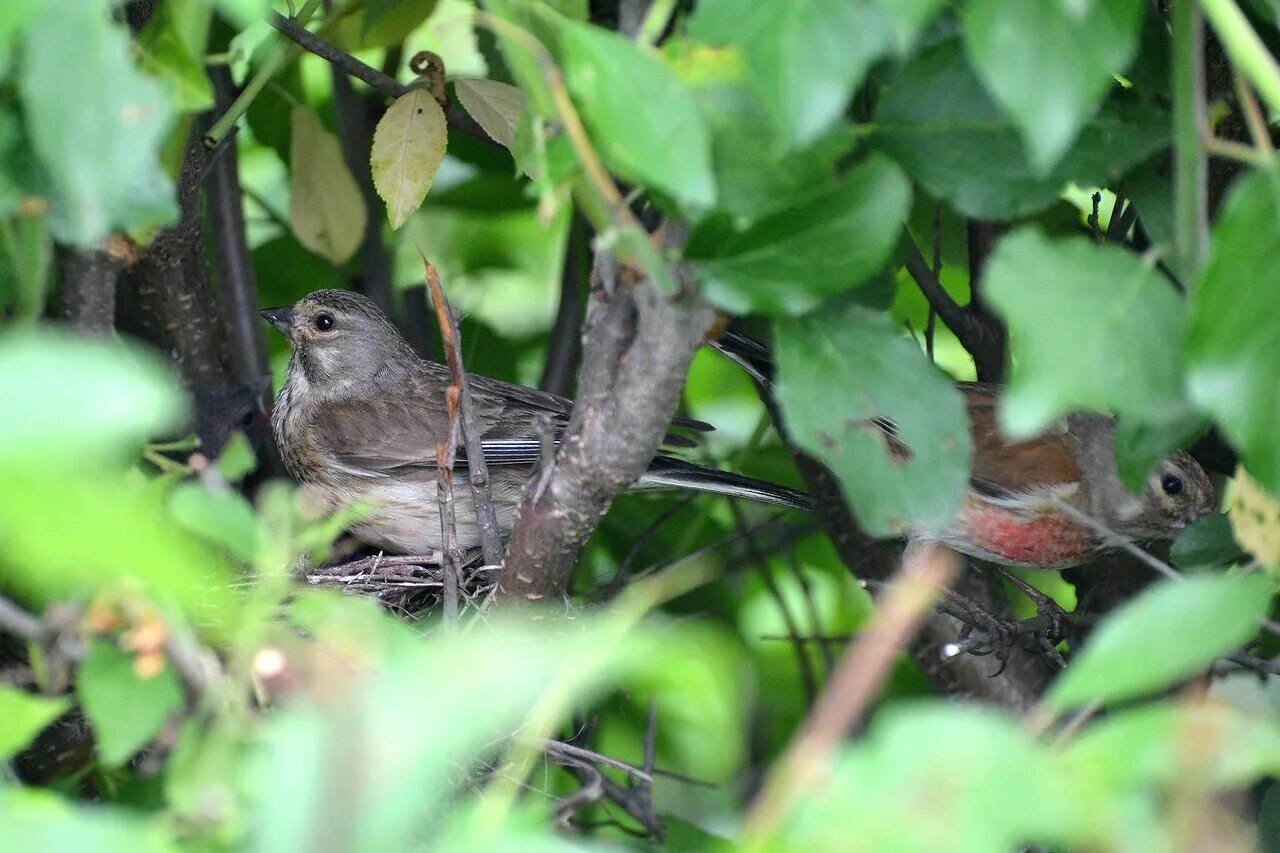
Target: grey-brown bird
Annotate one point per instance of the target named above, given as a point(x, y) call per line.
point(361, 414)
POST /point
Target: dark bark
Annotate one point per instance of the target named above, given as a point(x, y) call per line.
point(416, 325)
point(356, 136)
point(564, 345)
point(233, 264)
point(178, 310)
point(636, 354)
point(86, 297)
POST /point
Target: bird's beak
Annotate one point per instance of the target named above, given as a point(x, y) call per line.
point(281, 318)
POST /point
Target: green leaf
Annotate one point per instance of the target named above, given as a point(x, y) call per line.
point(1092, 327)
point(166, 55)
point(804, 58)
point(326, 208)
point(1206, 544)
point(49, 380)
point(908, 18)
point(937, 121)
point(35, 819)
point(238, 459)
point(789, 261)
point(1140, 445)
point(14, 16)
point(1172, 630)
point(935, 776)
point(1050, 63)
point(25, 715)
point(495, 106)
point(1225, 746)
point(408, 148)
point(126, 710)
point(224, 518)
point(1233, 341)
point(887, 377)
point(29, 253)
point(99, 99)
point(643, 121)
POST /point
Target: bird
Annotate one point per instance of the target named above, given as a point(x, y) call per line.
point(1052, 501)
point(360, 416)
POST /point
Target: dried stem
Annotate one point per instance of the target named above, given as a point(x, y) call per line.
point(477, 470)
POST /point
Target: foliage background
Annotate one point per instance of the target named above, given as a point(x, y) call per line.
point(1104, 184)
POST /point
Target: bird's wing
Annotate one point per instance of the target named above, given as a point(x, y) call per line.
point(1003, 466)
point(383, 430)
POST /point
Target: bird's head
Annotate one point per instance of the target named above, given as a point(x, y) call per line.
point(1176, 493)
point(341, 339)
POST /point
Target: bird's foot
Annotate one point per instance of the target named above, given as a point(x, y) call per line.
point(986, 633)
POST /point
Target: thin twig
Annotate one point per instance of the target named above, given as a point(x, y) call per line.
point(18, 622)
point(477, 470)
point(375, 79)
point(925, 570)
point(1254, 117)
point(557, 747)
point(804, 663)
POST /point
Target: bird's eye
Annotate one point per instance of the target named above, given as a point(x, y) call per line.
point(1172, 485)
point(323, 322)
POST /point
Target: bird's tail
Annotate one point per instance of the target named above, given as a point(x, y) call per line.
point(669, 473)
point(748, 353)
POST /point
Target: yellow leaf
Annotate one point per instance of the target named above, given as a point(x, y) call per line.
point(408, 147)
point(1255, 519)
point(325, 204)
point(495, 106)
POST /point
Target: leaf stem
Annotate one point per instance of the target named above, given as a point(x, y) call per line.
point(280, 53)
point(1245, 48)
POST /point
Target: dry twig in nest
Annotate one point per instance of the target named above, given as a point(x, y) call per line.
point(407, 585)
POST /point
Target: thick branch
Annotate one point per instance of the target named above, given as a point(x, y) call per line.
point(86, 297)
point(637, 351)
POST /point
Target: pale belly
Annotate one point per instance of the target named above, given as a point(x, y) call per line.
point(404, 517)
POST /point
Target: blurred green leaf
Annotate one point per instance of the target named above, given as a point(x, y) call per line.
point(643, 121)
point(242, 13)
point(1233, 341)
point(788, 261)
point(940, 776)
point(34, 819)
point(804, 58)
point(326, 209)
point(1152, 195)
point(25, 715)
point(1206, 544)
point(408, 148)
point(908, 18)
point(125, 709)
point(1139, 446)
point(837, 372)
point(495, 106)
point(222, 517)
point(49, 380)
point(1172, 630)
point(14, 16)
point(1225, 746)
point(121, 536)
point(408, 14)
point(1050, 63)
point(238, 459)
point(165, 54)
point(937, 121)
point(29, 252)
point(1092, 327)
point(98, 97)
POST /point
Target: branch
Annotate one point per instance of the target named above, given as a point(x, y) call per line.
point(979, 331)
point(233, 262)
point(637, 351)
point(564, 345)
point(478, 471)
point(376, 80)
point(356, 138)
point(86, 297)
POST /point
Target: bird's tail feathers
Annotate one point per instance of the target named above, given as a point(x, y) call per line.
point(670, 473)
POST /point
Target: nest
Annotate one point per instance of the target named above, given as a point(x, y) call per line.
point(407, 585)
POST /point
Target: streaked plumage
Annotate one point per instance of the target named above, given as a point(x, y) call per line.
point(360, 416)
